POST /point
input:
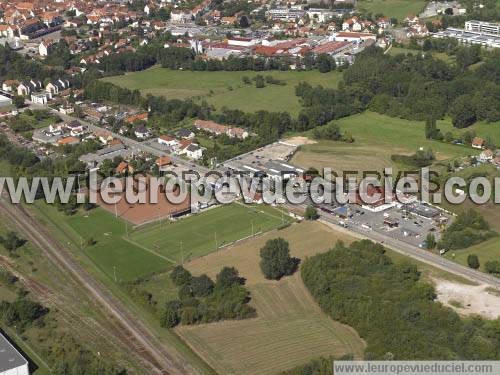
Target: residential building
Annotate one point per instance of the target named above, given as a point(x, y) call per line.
point(143, 116)
point(163, 162)
point(193, 151)
point(75, 128)
point(41, 98)
point(10, 85)
point(141, 132)
point(478, 143)
point(185, 134)
point(486, 156)
point(68, 141)
point(25, 88)
point(55, 86)
point(44, 47)
point(167, 140)
point(181, 16)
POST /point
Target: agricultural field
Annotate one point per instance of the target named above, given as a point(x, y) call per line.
point(204, 233)
point(377, 137)
point(398, 9)
point(290, 328)
point(225, 88)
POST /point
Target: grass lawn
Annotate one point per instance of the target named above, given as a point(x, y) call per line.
point(393, 8)
point(201, 234)
point(377, 137)
point(488, 250)
point(440, 55)
point(482, 129)
point(290, 328)
point(225, 88)
point(112, 253)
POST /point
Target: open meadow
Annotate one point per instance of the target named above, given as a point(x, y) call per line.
point(225, 88)
point(377, 137)
point(398, 9)
point(289, 330)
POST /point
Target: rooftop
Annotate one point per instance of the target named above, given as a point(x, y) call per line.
point(10, 358)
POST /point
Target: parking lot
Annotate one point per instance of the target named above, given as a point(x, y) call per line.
point(397, 222)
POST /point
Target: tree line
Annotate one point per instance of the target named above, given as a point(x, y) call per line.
point(392, 309)
point(468, 229)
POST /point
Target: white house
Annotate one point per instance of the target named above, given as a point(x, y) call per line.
point(55, 86)
point(141, 132)
point(55, 129)
point(26, 88)
point(44, 48)
point(181, 16)
point(486, 156)
point(7, 31)
point(75, 127)
point(41, 97)
point(193, 151)
point(168, 141)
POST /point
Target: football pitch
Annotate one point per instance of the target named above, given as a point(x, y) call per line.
point(202, 234)
point(124, 254)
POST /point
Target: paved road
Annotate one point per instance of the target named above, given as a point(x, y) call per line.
point(399, 246)
point(134, 145)
point(418, 254)
point(147, 346)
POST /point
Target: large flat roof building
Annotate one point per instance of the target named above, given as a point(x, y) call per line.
point(483, 27)
point(470, 37)
point(11, 361)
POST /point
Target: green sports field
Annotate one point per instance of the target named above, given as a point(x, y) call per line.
point(156, 247)
point(112, 254)
point(225, 88)
point(202, 234)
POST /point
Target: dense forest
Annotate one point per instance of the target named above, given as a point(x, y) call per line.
point(392, 309)
point(413, 87)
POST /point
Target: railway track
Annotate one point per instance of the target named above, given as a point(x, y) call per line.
point(130, 330)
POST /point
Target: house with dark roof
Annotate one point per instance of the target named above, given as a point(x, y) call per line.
point(54, 87)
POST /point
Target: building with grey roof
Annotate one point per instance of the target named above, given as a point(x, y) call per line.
point(11, 361)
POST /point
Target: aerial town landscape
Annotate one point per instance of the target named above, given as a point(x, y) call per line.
point(202, 140)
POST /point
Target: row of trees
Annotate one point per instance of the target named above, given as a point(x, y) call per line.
point(186, 59)
point(469, 228)
point(201, 300)
point(392, 309)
